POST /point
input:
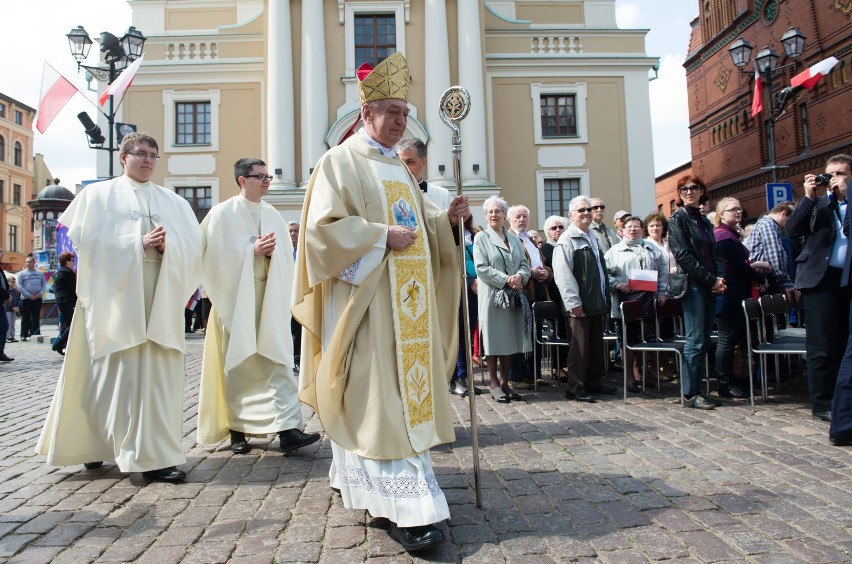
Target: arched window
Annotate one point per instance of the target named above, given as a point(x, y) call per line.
point(2, 149)
point(19, 154)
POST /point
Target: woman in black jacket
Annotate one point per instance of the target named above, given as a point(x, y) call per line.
point(739, 275)
point(694, 249)
point(65, 288)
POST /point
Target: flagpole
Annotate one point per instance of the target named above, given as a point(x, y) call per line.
point(454, 107)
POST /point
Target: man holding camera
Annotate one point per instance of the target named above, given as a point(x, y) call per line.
point(819, 219)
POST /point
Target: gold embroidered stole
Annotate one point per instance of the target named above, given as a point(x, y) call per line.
point(410, 279)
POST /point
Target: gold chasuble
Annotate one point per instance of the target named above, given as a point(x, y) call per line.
point(378, 345)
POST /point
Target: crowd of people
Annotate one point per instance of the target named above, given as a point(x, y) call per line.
point(373, 271)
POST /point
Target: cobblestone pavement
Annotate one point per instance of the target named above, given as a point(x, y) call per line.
point(562, 481)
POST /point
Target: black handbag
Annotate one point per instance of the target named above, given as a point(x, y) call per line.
point(678, 283)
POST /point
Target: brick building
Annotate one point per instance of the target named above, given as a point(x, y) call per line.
point(729, 146)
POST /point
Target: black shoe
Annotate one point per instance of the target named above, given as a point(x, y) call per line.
point(239, 444)
point(12, 340)
point(92, 465)
point(823, 416)
point(170, 474)
point(294, 439)
point(634, 388)
point(417, 538)
point(604, 389)
point(5, 358)
point(731, 391)
point(511, 394)
point(24, 339)
point(582, 396)
point(458, 389)
point(699, 402)
point(476, 390)
point(840, 440)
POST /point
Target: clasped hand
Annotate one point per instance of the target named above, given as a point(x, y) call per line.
point(515, 282)
point(265, 245)
point(155, 239)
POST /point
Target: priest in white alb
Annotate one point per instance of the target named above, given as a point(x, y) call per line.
point(376, 291)
point(247, 382)
point(120, 392)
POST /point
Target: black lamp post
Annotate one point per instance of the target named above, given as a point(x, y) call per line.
point(766, 62)
point(118, 53)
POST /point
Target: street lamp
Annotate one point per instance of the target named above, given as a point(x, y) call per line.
point(766, 63)
point(117, 53)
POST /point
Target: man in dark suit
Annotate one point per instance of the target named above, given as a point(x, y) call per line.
point(820, 268)
point(840, 431)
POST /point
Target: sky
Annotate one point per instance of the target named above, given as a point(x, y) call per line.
point(64, 144)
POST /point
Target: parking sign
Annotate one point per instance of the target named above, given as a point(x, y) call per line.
point(778, 193)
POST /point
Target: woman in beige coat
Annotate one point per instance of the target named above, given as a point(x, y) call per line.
point(500, 263)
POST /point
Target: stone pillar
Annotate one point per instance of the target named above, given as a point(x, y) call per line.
point(471, 76)
point(280, 113)
point(314, 107)
point(437, 80)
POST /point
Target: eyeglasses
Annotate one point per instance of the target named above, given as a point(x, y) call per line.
point(583, 210)
point(555, 227)
point(600, 207)
point(734, 210)
point(261, 177)
point(145, 156)
point(494, 212)
point(693, 188)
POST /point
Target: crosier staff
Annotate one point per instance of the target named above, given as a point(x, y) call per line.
point(454, 107)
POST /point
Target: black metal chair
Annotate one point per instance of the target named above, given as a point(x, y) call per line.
point(759, 345)
point(631, 315)
point(547, 319)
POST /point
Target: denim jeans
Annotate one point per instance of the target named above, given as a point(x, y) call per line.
point(699, 307)
point(732, 330)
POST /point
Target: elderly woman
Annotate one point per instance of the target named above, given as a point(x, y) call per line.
point(624, 261)
point(694, 248)
point(554, 226)
point(500, 265)
point(739, 277)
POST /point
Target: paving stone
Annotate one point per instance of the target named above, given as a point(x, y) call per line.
point(708, 547)
point(11, 544)
point(37, 555)
point(811, 550)
point(209, 552)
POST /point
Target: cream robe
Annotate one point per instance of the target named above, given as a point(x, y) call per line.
point(247, 380)
point(353, 384)
point(120, 392)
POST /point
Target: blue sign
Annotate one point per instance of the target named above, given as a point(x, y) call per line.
point(778, 193)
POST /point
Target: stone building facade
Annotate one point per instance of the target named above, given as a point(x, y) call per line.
point(560, 102)
point(16, 181)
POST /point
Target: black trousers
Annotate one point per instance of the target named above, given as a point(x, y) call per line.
point(841, 405)
point(30, 314)
point(732, 330)
point(825, 339)
point(66, 310)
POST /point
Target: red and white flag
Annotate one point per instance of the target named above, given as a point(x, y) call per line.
point(809, 77)
point(56, 90)
point(122, 82)
point(643, 280)
point(757, 101)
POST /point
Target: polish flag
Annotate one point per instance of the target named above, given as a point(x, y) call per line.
point(810, 76)
point(56, 90)
point(643, 281)
point(757, 101)
point(122, 82)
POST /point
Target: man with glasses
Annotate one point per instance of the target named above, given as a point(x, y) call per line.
point(377, 293)
point(606, 236)
point(248, 385)
point(120, 391)
point(819, 219)
point(580, 273)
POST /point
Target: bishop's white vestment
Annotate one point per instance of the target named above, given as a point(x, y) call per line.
point(120, 392)
point(380, 330)
point(247, 380)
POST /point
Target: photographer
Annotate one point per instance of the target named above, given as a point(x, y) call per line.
point(819, 219)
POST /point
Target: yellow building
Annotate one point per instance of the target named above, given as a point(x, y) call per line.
point(559, 95)
point(16, 181)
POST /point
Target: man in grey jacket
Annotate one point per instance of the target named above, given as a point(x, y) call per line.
point(580, 273)
point(32, 286)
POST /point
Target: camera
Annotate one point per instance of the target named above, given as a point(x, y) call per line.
point(823, 179)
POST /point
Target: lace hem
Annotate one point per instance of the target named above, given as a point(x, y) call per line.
point(348, 274)
point(388, 487)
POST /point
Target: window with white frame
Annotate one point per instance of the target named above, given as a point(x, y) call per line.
point(191, 121)
point(373, 30)
point(19, 117)
point(2, 149)
point(12, 239)
point(3, 111)
point(200, 198)
point(559, 113)
point(556, 187)
point(18, 154)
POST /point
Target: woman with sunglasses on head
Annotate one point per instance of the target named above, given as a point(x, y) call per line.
point(739, 276)
point(694, 247)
